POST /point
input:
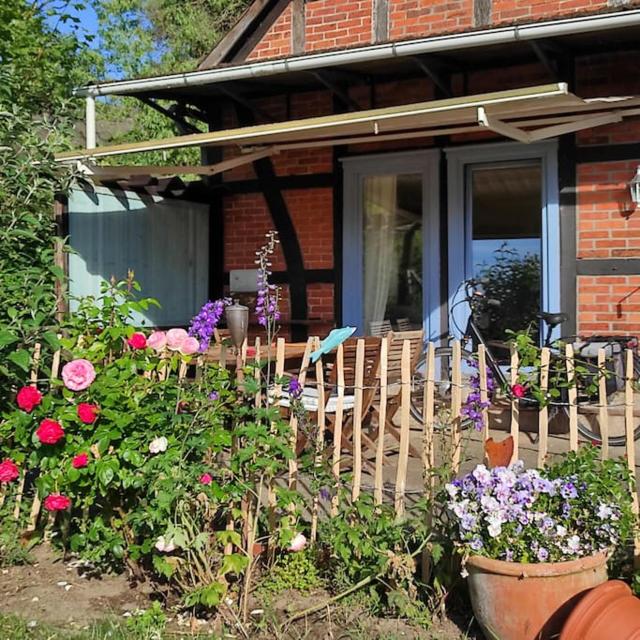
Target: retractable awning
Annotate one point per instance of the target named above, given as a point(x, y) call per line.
point(526, 115)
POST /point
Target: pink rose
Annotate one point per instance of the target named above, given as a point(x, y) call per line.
point(157, 340)
point(80, 461)
point(206, 478)
point(189, 346)
point(175, 338)
point(8, 471)
point(78, 374)
point(137, 341)
point(28, 398)
point(298, 543)
point(56, 502)
point(49, 431)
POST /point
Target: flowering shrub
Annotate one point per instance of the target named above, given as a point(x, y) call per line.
point(573, 509)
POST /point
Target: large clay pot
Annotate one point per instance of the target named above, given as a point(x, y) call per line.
point(609, 611)
point(518, 601)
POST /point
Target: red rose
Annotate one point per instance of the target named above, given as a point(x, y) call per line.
point(80, 461)
point(137, 341)
point(88, 413)
point(28, 398)
point(56, 502)
point(518, 390)
point(49, 431)
point(8, 471)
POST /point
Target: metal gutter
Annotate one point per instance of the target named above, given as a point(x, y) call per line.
point(436, 44)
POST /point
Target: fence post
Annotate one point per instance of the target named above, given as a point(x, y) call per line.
point(456, 405)
point(573, 399)
point(603, 410)
point(319, 443)
point(543, 411)
point(337, 427)
point(382, 418)
point(357, 421)
point(515, 404)
point(484, 392)
point(405, 400)
point(293, 420)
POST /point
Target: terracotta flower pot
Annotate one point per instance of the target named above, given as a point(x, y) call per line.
point(609, 611)
point(518, 601)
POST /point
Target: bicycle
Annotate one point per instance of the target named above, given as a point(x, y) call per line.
point(478, 321)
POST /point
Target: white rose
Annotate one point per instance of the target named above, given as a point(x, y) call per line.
point(157, 445)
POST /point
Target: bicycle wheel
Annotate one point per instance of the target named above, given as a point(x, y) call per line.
point(442, 395)
point(589, 422)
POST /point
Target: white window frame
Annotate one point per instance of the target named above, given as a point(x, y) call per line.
point(459, 159)
point(425, 163)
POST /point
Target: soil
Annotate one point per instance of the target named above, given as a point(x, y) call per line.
point(53, 592)
point(58, 593)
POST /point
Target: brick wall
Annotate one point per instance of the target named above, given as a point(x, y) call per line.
point(609, 305)
point(413, 18)
point(331, 24)
point(337, 24)
point(276, 43)
point(608, 226)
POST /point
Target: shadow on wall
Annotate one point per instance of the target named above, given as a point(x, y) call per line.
point(165, 242)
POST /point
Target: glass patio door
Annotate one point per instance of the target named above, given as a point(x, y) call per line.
point(390, 241)
point(504, 228)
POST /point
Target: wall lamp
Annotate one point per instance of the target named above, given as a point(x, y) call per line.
point(634, 188)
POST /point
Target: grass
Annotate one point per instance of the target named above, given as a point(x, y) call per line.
point(13, 628)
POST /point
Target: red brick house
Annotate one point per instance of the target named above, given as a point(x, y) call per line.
point(396, 145)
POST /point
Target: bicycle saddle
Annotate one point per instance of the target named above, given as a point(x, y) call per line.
point(553, 319)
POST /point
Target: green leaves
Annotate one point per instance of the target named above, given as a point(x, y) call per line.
point(20, 358)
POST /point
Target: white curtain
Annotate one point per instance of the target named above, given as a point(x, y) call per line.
point(380, 258)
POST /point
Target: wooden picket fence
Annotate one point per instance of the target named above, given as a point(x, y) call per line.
point(353, 429)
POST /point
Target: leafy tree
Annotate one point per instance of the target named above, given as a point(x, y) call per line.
point(152, 37)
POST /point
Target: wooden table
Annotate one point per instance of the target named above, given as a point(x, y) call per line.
point(293, 352)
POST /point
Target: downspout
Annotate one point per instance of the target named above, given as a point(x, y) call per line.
point(90, 122)
point(436, 44)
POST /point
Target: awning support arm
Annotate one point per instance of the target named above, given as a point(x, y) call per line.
point(123, 172)
point(576, 125)
point(501, 127)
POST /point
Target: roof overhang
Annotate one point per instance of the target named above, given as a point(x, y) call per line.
point(622, 28)
point(526, 114)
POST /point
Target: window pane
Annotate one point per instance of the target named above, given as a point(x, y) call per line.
point(392, 219)
point(507, 230)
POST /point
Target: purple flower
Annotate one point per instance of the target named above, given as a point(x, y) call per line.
point(203, 324)
point(213, 396)
point(568, 490)
point(476, 544)
point(294, 388)
point(268, 296)
point(325, 493)
point(543, 554)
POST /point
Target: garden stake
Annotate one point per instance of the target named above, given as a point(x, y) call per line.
point(543, 413)
point(515, 404)
point(602, 401)
point(337, 428)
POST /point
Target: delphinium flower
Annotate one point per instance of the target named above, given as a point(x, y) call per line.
point(473, 406)
point(268, 295)
point(206, 320)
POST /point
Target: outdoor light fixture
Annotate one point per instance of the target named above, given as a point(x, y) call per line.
point(237, 316)
point(634, 187)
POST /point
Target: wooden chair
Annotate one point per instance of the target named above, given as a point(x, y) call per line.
point(309, 397)
point(394, 374)
point(380, 328)
point(404, 324)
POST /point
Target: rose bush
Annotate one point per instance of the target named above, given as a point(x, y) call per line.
point(130, 456)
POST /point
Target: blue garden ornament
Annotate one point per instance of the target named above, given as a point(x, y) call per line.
point(335, 338)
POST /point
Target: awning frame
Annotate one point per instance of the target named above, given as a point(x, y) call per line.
point(526, 115)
